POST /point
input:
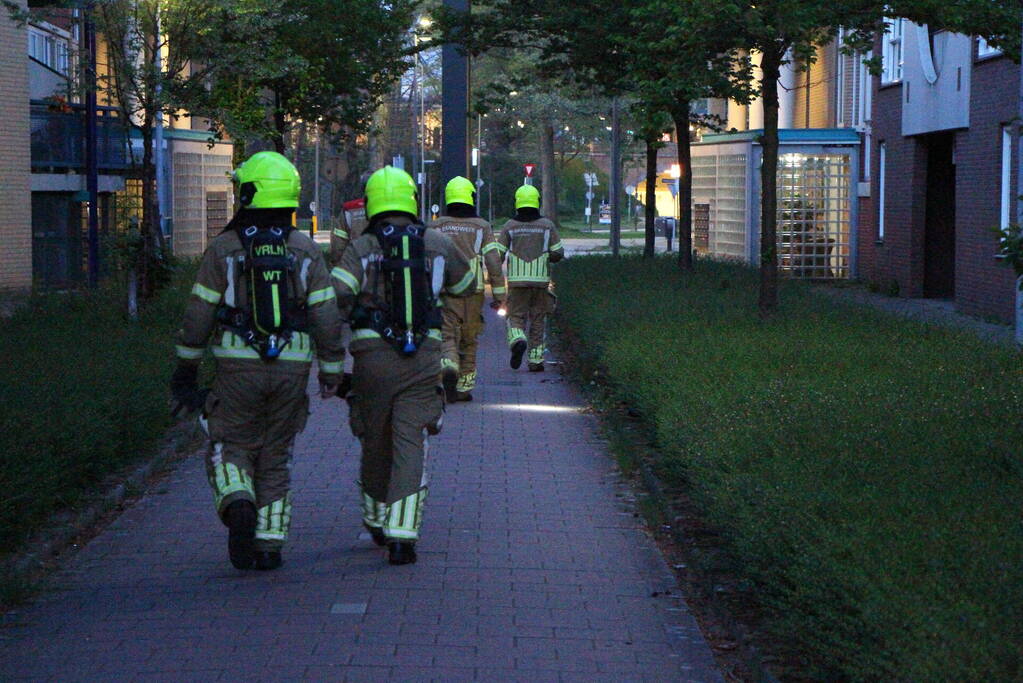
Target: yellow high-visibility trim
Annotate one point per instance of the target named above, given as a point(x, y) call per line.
point(343, 234)
point(189, 352)
point(347, 278)
point(464, 283)
point(367, 333)
point(499, 290)
point(330, 367)
point(320, 295)
point(557, 246)
point(208, 295)
point(491, 247)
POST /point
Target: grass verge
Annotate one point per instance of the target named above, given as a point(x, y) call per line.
point(85, 395)
point(864, 473)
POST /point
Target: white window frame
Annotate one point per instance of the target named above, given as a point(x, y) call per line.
point(881, 172)
point(892, 50)
point(1005, 198)
point(985, 49)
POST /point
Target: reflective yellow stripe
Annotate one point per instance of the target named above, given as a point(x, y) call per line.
point(503, 249)
point(188, 352)
point(299, 349)
point(206, 294)
point(491, 247)
point(250, 353)
point(347, 278)
point(366, 333)
point(343, 234)
point(320, 295)
point(464, 283)
point(330, 367)
point(499, 290)
point(556, 246)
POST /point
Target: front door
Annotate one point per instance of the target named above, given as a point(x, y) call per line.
point(940, 229)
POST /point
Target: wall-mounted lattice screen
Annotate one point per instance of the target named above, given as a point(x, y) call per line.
point(814, 215)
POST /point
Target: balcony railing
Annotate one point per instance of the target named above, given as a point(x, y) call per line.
point(58, 138)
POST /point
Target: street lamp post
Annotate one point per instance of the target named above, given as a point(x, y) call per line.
point(455, 104)
point(91, 161)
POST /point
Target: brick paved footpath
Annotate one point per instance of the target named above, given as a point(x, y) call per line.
point(531, 568)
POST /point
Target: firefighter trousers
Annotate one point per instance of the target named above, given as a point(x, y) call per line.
point(463, 325)
point(394, 405)
point(528, 308)
point(253, 414)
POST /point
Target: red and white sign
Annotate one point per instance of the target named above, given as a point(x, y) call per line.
point(529, 170)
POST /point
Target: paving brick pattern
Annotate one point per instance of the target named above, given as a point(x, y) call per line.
point(532, 567)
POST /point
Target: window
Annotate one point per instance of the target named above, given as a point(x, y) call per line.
point(891, 51)
point(1005, 214)
point(51, 51)
point(852, 89)
point(881, 167)
point(985, 49)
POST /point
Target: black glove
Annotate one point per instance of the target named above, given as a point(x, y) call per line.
point(345, 386)
point(184, 386)
point(495, 304)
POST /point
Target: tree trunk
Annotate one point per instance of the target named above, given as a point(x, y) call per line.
point(680, 115)
point(548, 173)
point(280, 125)
point(768, 302)
point(150, 211)
point(616, 177)
point(650, 210)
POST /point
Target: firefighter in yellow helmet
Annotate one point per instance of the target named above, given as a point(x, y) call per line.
point(388, 286)
point(530, 243)
point(264, 301)
point(463, 316)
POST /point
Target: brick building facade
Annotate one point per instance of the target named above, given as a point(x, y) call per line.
point(925, 230)
point(15, 210)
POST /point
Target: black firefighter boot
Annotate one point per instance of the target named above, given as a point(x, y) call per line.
point(518, 349)
point(401, 552)
point(240, 518)
point(449, 377)
point(268, 559)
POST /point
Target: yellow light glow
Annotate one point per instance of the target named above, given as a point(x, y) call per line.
point(426, 22)
point(535, 408)
point(675, 171)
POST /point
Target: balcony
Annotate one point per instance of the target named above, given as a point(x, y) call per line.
point(58, 138)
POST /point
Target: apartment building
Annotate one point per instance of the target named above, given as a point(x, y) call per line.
point(37, 75)
point(944, 137)
point(15, 211)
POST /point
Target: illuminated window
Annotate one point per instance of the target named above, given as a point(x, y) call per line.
point(891, 51)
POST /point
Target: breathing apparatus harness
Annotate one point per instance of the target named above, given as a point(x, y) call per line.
point(406, 272)
point(270, 316)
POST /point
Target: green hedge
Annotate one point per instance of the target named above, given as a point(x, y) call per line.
point(865, 471)
point(85, 393)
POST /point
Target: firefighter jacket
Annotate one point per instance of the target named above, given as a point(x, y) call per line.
point(353, 222)
point(474, 239)
point(529, 248)
point(221, 282)
point(359, 282)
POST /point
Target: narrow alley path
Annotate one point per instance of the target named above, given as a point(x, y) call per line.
point(530, 568)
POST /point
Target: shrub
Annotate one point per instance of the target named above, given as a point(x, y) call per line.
point(865, 471)
point(85, 393)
